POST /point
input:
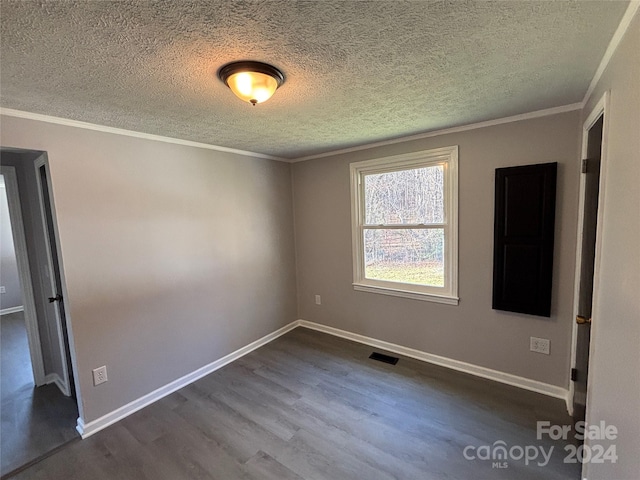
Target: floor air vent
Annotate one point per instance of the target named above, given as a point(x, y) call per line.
point(383, 358)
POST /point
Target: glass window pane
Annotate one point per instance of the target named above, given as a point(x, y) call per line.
point(405, 255)
point(411, 196)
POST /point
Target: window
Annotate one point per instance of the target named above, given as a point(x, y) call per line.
point(404, 224)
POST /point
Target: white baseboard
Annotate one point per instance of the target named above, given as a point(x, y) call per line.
point(55, 378)
point(7, 311)
point(87, 429)
point(502, 377)
point(569, 401)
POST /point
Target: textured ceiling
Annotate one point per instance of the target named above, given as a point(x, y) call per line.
point(356, 71)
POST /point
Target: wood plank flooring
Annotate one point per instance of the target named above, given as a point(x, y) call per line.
point(16, 361)
point(35, 421)
point(312, 406)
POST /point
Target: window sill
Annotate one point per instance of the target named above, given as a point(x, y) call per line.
point(427, 297)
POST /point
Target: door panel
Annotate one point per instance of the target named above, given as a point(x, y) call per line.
point(54, 305)
point(591, 171)
point(525, 203)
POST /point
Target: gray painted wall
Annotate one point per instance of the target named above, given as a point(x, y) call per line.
point(162, 277)
point(174, 256)
point(614, 382)
point(8, 265)
point(471, 332)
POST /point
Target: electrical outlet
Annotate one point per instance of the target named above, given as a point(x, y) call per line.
point(3, 290)
point(539, 345)
point(99, 375)
point(318, 300)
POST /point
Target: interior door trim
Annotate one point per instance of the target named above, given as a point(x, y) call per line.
point(63, 383)
point(601, 108)
point(22, 259)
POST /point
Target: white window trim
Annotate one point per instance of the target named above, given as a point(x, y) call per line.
point(448, 156)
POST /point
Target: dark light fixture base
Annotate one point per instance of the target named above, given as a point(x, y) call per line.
point(248, 65)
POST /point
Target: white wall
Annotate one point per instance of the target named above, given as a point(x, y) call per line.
point(614, 381)
point(173, 256)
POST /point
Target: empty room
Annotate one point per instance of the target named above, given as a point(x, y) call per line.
point(320, 239)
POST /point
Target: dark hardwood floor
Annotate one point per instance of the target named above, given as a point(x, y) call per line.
point(312, 406)
point(16, 362)
point(35, 421)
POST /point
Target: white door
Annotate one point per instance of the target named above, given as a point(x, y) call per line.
point(52, 282)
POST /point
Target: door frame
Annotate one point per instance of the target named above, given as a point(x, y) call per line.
point(64, 383)
point(24, 273)
point(601, 108)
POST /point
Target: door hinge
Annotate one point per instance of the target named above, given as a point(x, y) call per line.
point(57, 298)
point(584, 165)
point(574, 374)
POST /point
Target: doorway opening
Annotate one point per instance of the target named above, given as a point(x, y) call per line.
point(587, 254)
point(39, 405)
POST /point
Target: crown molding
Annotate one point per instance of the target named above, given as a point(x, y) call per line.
point(435, 133)
point(626, 20)
point(10, 112)
point(613, 45)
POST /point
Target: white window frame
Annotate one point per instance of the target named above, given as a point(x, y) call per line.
point(446, 156)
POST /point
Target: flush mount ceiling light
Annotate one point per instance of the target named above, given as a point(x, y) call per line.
point(253, 82)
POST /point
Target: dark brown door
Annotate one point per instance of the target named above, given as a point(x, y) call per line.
point(591, 170)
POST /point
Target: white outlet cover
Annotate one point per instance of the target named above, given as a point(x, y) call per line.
point(99, 375)
point(539, 345)
point(318, 300)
